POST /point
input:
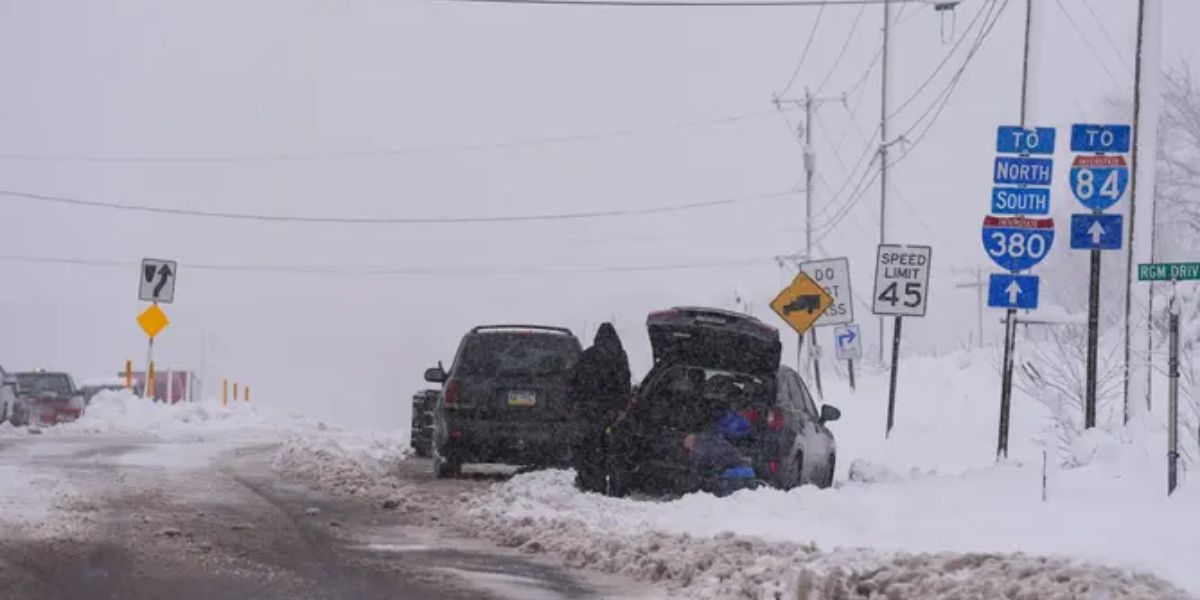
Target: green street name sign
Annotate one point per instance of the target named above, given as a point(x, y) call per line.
point(1169, 272)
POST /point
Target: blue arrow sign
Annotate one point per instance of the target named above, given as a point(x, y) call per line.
point(849, 343)
point(1018, 170)
point(1013, 291)
point(1020, 201)
point(1096, 232)
point(1099, 182)
point(1109, 139)
point(1017, 140)
point(1017, 243)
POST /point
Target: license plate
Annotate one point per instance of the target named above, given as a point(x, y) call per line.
point(522, 398)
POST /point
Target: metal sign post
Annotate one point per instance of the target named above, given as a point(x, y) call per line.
point(1098, 181)
point(901, 289)
point(834, 276)
point(1173, 393)
point(1023, 171)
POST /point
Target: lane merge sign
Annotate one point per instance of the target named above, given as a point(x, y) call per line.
point(901, 280)
point(1013, 291)
point(1017, 243)
point(1018, 140)
point(1169, 271)
point(802, 303)
point(848, 340)
point(157, 280)
point(1096, 231)
point(834, 276)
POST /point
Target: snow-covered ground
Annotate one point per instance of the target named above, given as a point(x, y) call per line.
point(933, 487)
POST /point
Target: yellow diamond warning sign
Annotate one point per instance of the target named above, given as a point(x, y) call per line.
point(153, 320)
point(802, 303)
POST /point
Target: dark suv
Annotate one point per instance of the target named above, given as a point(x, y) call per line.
point(710, 364)
point(504, 399)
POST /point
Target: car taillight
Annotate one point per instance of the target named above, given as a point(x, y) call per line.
point(775, 420)
point(451, 394)
point(750, 414)
point(774, 466)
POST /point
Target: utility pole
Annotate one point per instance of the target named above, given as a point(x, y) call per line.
point(978, 285)
point(883, 142)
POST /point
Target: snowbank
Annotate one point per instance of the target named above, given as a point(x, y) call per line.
point(122, 412)
point(344, 462)
point(933, 488)
point(690, 547)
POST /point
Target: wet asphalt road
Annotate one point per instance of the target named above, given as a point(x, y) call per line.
point(149, 531)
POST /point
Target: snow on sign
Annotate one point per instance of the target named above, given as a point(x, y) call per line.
point(1013, 291)
point(1096, 232)
point(1019, 170)
point(1108, 139)
point(1017, 243)
point(849, 342)
point(156, 282)
point(1099, 181)
point(834, 275)
point(1018, 140)
point(901, 280)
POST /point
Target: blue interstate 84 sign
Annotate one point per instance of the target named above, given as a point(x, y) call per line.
point(1099, 181)
point(1017, 243)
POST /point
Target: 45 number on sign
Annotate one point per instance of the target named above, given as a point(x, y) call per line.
point(912, 294)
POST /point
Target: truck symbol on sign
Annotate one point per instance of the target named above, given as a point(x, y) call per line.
point(808, 303)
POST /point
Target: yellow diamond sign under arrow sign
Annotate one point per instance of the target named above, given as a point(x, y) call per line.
point(153, 320)
point(802, 303)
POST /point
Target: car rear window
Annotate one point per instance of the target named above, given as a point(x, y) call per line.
point(517, 353)
point(41, 383)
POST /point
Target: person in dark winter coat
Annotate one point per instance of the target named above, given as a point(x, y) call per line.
point(598, 389)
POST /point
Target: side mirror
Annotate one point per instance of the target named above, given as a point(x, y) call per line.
point(830, 413)
point(436, 374)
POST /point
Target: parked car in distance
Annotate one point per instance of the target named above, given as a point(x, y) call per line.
point(709, 363)
point(424, 403)
point(91, 387)
point(503, 399)
point(46, 398)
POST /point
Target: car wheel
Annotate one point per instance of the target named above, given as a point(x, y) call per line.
point(443, 466)
point(827, 475)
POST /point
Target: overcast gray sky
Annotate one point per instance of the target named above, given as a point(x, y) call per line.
point(247, 80)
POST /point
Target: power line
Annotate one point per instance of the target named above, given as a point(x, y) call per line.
point(394, 220)
point(1087, 42)
point(842, 53)
point(945, 59)
point(1108, 35)
point(683, 3)
point(812, 35)
point(432, 150)
point(375, 270)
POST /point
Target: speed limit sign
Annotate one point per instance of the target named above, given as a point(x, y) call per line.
point(902, 280)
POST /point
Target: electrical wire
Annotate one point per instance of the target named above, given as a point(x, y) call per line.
point(812, 35)
point(1108, 35)
point(376, 270)
point(842, 53)
point(683, 3)
point(432, 150)
point(1086, 42)
point(342, 220)
point(989, 6)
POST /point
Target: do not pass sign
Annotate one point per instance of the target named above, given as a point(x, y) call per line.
point(902, 280)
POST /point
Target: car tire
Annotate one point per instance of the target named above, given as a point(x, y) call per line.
point(445, 467)
point(827, 476)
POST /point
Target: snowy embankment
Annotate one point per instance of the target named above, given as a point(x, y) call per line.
point(924, 514)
